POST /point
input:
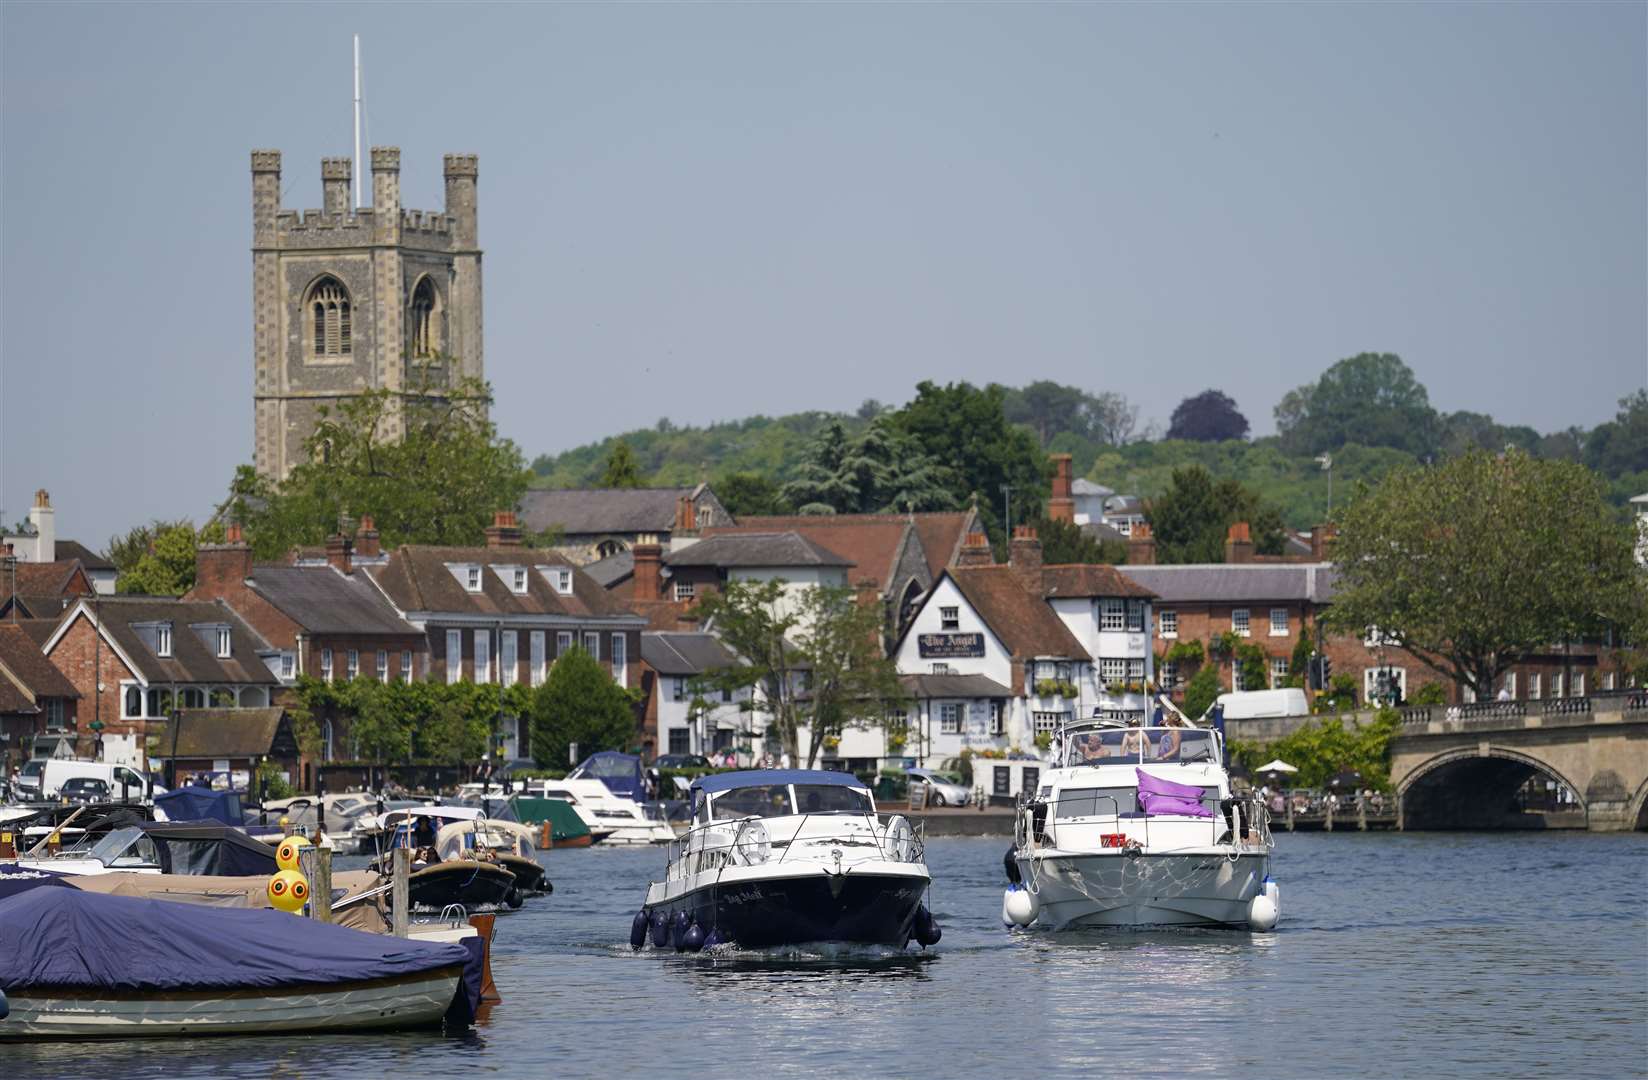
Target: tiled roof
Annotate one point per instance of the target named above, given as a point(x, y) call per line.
point(1021, 619)
point(684, 653)
point(1089, 580)
point(756, 549)
point(871, 542)
point(941, 536)
point(42, 579)
point(66, 550)
point(323, 601)
point(21, 655)
point(416, 578)
point(953, 686)
point(581, 511)
point(1219, 583)
point(192, 660)
point(221, 733)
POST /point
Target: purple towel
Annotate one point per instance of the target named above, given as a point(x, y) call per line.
point(1158, 796)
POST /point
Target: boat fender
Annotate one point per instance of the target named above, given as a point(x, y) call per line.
point(926, 928)
point(1019, 906)
point(1261, 913)
point(678, 930)
point(547, 888)
point(660, 929)
point(514, 899)
point(638, 930)
point(1274, 891)
point(1011, 865)
point(5, 1006)
point(693, 939)
point(715, 938)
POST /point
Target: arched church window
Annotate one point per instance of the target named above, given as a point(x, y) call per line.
point(423, 325)
point(606, 549)
point(329, 318)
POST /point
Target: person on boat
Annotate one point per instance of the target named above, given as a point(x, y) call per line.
point(1134, 742)
point(1167, 746)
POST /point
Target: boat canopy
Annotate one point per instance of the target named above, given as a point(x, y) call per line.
point(443, 813)
point(204, 847)
point(621, 773)
point(72, 940)
point(195, 803)
point(714, 782)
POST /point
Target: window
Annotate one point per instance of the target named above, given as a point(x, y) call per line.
point(163, 639)
point(517, 579)
point(1112, 671)
point(1113, 615)
point(1556, 685)
point(678, 688)
point(940, 668)
point(506, 657)
point(563, 582)
point(224, 646)
point(1135, 616)
point(383, 665)
point(536, 646)
point(563, 642)
point(1239, 621)
point(329, 319)
point(288, 665)
point(949, 618)
point(1046, 721)
point(472, 578)
point(133, 703)
point(998, 721)
point(1376, 637)
point(1061, 671)
point(1278, 672)
point(1533, 686)
point(1579, 684)
point(326, 665)
point(422, 328)
point(1169, 674)
point(949, 718)
point(684, 590)
point(1608, 682)
point(705, 517)
point(483, 656)
point(354, 663)
point(1044, 669)
point(897, 720)
point(620, 659)
point(592, 644)
point(679, 741)
point(406, 665)
point(54, 714)
point(454, 656)
point(726, 693)
point(1510, 683)
point(1278, 622)
point(1167, 623)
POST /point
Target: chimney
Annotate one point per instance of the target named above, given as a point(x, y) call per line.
point(1238, 544)
point(366, 538)
point(1024, 556)
point(1141, 545)
point(339, 553)
point(975, 550)
point(647, 583)
point(44, 520)
point(222, 569)
point(1061, 507)
point(1320, 537)
point(685, 531)
point(503, 532)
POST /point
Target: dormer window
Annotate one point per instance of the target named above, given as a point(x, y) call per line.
point(472, 578)
point(517, 579)
point(163, 639)
point(563, 582)
point(224, 649)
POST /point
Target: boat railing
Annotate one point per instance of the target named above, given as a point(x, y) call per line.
point(711, 845)
point(1239, 821)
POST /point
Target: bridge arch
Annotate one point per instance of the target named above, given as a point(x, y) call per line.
point(1475, 787)
point(1638, 819)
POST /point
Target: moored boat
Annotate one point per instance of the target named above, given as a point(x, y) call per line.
point(436, 883)
point(508, 843)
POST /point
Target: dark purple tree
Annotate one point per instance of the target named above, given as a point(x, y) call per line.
point(1210, 416)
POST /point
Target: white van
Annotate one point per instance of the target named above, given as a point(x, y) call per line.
point(1264, 704)
point(58, 771)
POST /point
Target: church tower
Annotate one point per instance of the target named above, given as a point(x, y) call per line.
point(346, 301)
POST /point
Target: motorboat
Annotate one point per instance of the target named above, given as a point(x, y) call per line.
point(80, 964)
point(616, 818)
point(507, 843)
point(556, 817)
point(158, 847)
point(779, 857)
point(435, 883)
point(1138, 826)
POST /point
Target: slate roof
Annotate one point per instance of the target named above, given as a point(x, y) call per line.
point(221, 733)
point(1021, 619)
point(756, 549)
point(953, 686)
point(1220, 583)
point(323, 601)
point(870, 542)
point(192, 661)
point(684, 653)
point(1098, 530)
point(416, 578)
point(21, 655)
point(1089, 580)
point(66, 550)
point(1083, 486)
point(582, 511)
point(613, 569)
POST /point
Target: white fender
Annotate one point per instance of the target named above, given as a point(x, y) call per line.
point(1019, 906)
point(1262, 913)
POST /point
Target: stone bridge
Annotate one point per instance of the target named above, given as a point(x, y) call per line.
point(1462, 767)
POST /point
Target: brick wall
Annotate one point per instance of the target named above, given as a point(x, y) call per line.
point(85, 664)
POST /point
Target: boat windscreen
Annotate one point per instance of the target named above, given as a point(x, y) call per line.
point(765, 800)
point(125, 847)
point(1116, 747)
point(832, 799)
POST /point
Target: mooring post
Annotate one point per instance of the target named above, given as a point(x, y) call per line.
point(1290, 813)
point(399, 892)
point(1362, 814)
point(320, 889)
point(1327, 822)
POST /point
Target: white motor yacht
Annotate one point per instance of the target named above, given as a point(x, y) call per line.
point(1137, 826)
point(781, 857)
point(611, 818)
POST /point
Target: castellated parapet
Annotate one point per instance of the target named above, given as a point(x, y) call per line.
point(350, 300)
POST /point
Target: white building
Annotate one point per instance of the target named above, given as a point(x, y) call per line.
point(38, 543)
point(692, 719)
point(1641, 504)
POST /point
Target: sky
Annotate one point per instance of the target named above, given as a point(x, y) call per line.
point(707, 211)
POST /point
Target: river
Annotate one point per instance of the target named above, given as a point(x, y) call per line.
point(1398, 955)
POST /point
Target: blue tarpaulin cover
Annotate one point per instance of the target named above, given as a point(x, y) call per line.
point(727, 781)
point(15, 879)
point(66, 938)
point(194, 803)
point(621, 773)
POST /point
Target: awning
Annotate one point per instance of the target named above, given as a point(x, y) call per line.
point(1276, 766)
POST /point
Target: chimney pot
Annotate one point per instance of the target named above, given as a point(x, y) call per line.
point(339, 553)
point(647, 582)
point(367, 545)
point(503, 532)
point(232, 533)
point(1239, 544)
point(975, 550)
point(41, 498)
point(1062, 506)
point(1141, 545)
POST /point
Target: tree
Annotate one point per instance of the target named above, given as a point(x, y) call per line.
point(1620, 446)
point(1192, 518)
point(167, 566)
point(881, 469)
point(1202, 690)
point(1320, 750)
point(1473, 563)
point(967, 430)
point(621, 469)
point(1064, 543)
point(1051, 409)
point(438, 483)
point(579, 704)
point(1371, 398)
point(756, 624)
point(1210, 416)
point(747, 493)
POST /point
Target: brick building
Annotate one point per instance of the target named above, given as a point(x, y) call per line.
point(37, 702)
point(600, 523)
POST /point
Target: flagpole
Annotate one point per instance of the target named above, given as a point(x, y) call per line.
point(357, 169)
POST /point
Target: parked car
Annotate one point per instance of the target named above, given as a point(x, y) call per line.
point(943, 789)
point(682, 761)
point(85, 789)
